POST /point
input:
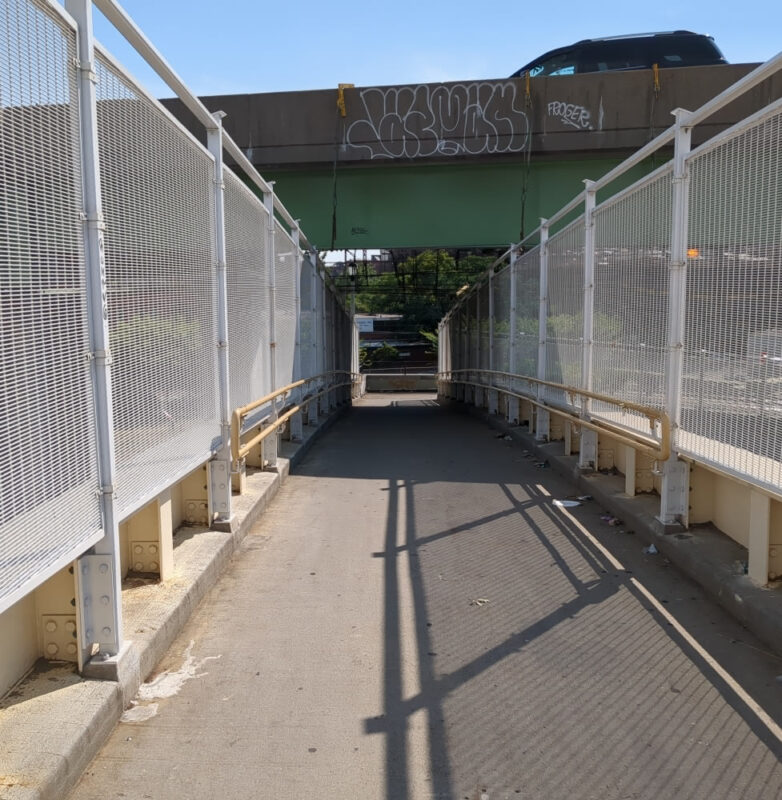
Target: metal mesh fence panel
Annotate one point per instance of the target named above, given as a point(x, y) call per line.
point(331, 329)
point(473, 322)
point(49, 512)
point(285, 312)
point(484, 360)
point(525, 356)
point(320, 312)
point(732, 385)
point(632, 253)
point(156, 182)
point(565, 319)
point(501, 323)
point(248, 294)
point(457, 338)
point(307, 325)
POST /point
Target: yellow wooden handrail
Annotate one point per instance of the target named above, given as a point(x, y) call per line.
point(660, 453)
point(239, 450)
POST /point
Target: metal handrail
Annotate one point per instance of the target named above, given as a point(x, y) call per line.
point(660, 451)
point(122, 21)
point(239, 450)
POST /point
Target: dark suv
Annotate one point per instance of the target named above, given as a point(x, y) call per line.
point(639, 51)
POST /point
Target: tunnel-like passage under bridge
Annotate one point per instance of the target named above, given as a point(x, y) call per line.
point(172, 343)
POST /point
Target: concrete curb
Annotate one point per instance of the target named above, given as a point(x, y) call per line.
point(55, 722)
point(702, 553)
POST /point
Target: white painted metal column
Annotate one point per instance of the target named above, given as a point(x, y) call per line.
point(587, 459)
point(674, 500)
point(542, 417)
point(270, 442)
point(98, 575)
point(513, 402)
point(220, 466)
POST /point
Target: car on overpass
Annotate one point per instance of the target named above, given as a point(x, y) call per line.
point(635, 51)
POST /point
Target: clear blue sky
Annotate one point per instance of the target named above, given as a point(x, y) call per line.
point(237, 46)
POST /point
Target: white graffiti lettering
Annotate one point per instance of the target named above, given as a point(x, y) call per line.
point(425, 120)
point(571, 114)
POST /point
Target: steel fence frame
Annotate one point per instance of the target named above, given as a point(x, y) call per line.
point(656, 222)
point(126, 305)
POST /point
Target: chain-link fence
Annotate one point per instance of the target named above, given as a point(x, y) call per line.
point(158, 292)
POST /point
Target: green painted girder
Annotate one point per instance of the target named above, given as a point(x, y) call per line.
point(436, 205)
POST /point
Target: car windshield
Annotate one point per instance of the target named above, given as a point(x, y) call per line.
point(559, 64)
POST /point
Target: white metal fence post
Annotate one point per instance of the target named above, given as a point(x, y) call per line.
point(513, 402)
point(220, 467)
point(98, 574)
point(587, 458)
point(270, 442)
point(674, 500)
point(542, 417)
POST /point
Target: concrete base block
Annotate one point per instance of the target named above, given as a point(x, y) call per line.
point(124, 669)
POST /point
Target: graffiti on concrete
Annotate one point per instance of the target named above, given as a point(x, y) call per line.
point(571, 114)
point(448, 120)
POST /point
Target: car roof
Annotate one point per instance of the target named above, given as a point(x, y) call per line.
point(683, 34)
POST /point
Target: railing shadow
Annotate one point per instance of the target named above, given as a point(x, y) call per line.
point(542, 670)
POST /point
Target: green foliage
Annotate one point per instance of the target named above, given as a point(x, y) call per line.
point(433, 339)
point(141, 338)
point(421, 288)
point(373, 356)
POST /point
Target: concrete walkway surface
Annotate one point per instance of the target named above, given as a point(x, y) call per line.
point(414, 617)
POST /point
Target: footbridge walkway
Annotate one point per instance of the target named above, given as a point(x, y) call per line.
point(414, 614)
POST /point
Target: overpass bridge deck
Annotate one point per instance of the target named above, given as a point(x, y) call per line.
point(413, 617)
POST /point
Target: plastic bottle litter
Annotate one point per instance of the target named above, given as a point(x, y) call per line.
point(567, 503)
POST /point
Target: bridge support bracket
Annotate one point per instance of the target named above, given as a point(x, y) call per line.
point(674, 495)
point(493, 401)
point(97, 595)
point(269, 450)
point(513, 410)
point(588, 448)
point(220, 481)
point(542, 423)
point(296, 427)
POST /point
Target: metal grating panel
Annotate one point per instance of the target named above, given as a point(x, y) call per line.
point(732, 386)
point(158, 204)
point(525, 357)
point(318, 339)
point(565, 322)
point(329, 331)
point(501, 323)
point(285, 311)
point(483, 328)
point(248, 292)
point(48, 466)
point(307, 324)
point(632, 254)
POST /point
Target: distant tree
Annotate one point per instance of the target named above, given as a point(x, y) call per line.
point(422, 288)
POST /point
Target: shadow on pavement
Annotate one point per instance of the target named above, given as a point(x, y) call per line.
point(544, 672)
